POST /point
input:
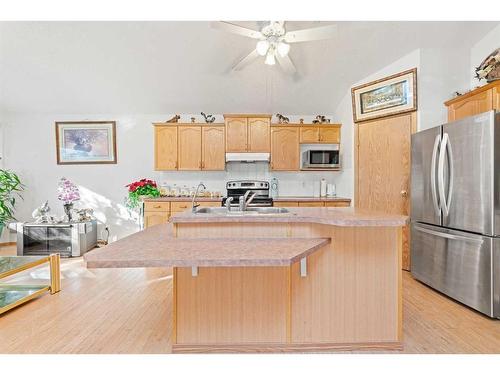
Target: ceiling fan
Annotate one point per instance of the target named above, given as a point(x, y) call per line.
point(274, 41)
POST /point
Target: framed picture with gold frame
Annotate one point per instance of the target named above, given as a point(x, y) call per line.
point(385, 97)
point(86, 142)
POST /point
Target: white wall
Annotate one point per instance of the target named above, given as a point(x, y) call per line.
point(31, 153)
point(480, 50)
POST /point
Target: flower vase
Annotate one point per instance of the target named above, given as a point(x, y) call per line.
point(67, 210)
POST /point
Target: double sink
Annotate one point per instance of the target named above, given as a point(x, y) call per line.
point(247, 211)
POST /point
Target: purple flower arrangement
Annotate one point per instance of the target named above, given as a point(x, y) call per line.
point(68, 191)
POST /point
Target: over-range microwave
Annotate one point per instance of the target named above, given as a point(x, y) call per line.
point(320, 156)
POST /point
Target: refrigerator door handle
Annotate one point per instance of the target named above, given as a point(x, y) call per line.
point(442, 154)
point(433, 175)
point(448, 235)
point(450, 174)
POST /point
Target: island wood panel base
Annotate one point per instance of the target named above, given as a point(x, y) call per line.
point(285, 348)
point(349, 300)
point(225, 305)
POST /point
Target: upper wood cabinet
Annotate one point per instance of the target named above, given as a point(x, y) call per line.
point(480, 100)
point(247, 133)
point(309, 134)
point(284, 148)
point(189, 148)
point(213, 153)
point(165, 148)
point(236, 134)
point(320, 134)
point(259, 135)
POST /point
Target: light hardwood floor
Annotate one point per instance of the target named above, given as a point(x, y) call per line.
point(129, 311)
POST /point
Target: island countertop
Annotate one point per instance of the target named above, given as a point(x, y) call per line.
point(154, 247)
point(338, 216)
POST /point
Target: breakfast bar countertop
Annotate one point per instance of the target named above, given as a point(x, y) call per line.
point(154, 247)
point(338, 216)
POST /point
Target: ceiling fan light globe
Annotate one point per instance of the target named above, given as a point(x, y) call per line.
point(283, 49)
point(270, 60)
point(262, 47)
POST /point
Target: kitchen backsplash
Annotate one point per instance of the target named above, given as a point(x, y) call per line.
point(290, 183)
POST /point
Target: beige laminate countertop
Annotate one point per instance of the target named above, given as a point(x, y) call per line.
point(277, 199)
point(338, 216)
point(153, 247)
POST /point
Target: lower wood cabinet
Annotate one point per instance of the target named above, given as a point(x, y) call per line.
point(285, 148)
point(159, 212)
point(312, 204)
point(286, 204)
point(338, 204)
point(155, 217)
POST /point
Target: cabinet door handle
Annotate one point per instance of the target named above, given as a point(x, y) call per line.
point(175, 165)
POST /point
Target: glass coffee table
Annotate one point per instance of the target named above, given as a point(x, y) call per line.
point(12, 295)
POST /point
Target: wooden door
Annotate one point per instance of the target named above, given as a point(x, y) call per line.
point(165, 148)
point(259, 134)
point(236, 134)
point(285, 148)
point(383, 168)
point(473, 105)
point(189, 148)
point(309, 134)
point(154, 218)
point(329, 135)
point(213, 152)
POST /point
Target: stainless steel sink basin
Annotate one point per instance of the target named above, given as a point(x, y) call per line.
point(248, 211)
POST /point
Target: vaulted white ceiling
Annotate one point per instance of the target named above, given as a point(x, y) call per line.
point(184, 67)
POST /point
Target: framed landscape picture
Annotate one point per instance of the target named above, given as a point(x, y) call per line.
point(388, 96)
point(86, 142)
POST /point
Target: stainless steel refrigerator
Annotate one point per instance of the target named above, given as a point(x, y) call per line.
point(455, 210)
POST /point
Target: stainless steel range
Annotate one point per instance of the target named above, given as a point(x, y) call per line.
point(253, 193)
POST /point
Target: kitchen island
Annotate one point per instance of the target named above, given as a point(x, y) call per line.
point(304, 280)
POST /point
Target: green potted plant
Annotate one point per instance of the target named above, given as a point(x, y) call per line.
point(10, 188)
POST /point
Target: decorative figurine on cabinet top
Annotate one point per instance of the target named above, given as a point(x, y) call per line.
point(208, 118)
point(176, 118)
point(490, 67)
point(321, 119)
point(282, 119)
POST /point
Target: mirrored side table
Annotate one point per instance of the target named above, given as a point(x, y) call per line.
point(12, 295)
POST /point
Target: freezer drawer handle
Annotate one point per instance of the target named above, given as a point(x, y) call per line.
point(433, 175)
point(450, 236)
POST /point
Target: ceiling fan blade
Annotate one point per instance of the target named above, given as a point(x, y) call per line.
point(316, 33)
point(246, 60)
point(287, 64)
point(235, 29)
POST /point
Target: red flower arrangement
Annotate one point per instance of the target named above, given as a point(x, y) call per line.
point(141, 188)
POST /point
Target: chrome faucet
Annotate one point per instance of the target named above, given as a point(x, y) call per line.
point(245, 201)
point(195, 206)
point(228, 203)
